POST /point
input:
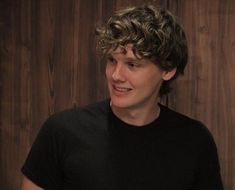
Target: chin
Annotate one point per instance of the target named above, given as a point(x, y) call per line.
point(122, 103)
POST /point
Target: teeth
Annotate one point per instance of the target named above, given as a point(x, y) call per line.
point(122, 89)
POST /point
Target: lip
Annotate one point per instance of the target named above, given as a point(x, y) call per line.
point(120, 91)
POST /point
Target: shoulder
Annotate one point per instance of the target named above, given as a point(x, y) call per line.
point(188, 132)
point(173, 117)
point(79, 117)
point(95, 110)
point(185, 125)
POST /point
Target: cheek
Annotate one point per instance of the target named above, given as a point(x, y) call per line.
point(149, 81)
point(107, 71)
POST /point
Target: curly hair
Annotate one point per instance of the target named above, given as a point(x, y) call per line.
point(154, 33)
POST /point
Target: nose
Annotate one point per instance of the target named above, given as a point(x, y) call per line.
point(118, 73)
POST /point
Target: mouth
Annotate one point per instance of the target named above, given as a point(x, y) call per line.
point(121, 89)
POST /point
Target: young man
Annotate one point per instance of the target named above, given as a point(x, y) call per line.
point(130, 141)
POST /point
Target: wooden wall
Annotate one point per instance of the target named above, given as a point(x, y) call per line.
point(48, 62)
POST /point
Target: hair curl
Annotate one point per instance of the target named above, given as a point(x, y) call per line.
point(154, 33)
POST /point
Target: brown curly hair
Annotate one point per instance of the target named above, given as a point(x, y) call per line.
point(154, 33)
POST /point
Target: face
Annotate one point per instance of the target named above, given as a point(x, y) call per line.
point(133, 83)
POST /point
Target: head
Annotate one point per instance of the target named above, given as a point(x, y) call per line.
point(154, 34)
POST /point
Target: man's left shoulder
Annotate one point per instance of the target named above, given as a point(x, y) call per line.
point(185, 123)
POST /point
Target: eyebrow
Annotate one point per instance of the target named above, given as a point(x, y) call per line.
point(108, 55)
point(131, 59)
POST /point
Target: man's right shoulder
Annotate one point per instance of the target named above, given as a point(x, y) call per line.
point(80, 115)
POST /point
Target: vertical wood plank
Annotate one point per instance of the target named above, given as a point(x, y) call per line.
point(15, 90)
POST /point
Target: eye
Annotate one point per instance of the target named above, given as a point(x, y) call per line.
point(111, 60)
point(132, 64)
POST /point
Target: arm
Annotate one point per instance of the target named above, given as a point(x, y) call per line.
point(42, 168)
point(208, 174)
point(29, 185)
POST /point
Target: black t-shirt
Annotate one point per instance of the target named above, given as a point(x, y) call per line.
point(89, 148)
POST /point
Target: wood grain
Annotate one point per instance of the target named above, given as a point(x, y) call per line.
point(48, 62)
point(206, 91)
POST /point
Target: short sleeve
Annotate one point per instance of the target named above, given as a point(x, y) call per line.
point(43, 164)
point(208, 171)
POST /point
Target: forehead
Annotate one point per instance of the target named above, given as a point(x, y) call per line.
point(126, 51)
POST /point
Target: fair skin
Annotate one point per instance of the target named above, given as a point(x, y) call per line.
point(134, 86)
point(29, 185)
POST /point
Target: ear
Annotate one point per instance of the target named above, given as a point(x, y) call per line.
point(167, 75)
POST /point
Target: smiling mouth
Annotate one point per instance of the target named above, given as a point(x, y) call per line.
point(121, 89)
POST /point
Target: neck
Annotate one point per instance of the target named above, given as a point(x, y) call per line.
point(138, 117)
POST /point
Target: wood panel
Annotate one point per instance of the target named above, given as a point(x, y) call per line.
point(48, 62)
point(206, 92)
point(15, 89)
